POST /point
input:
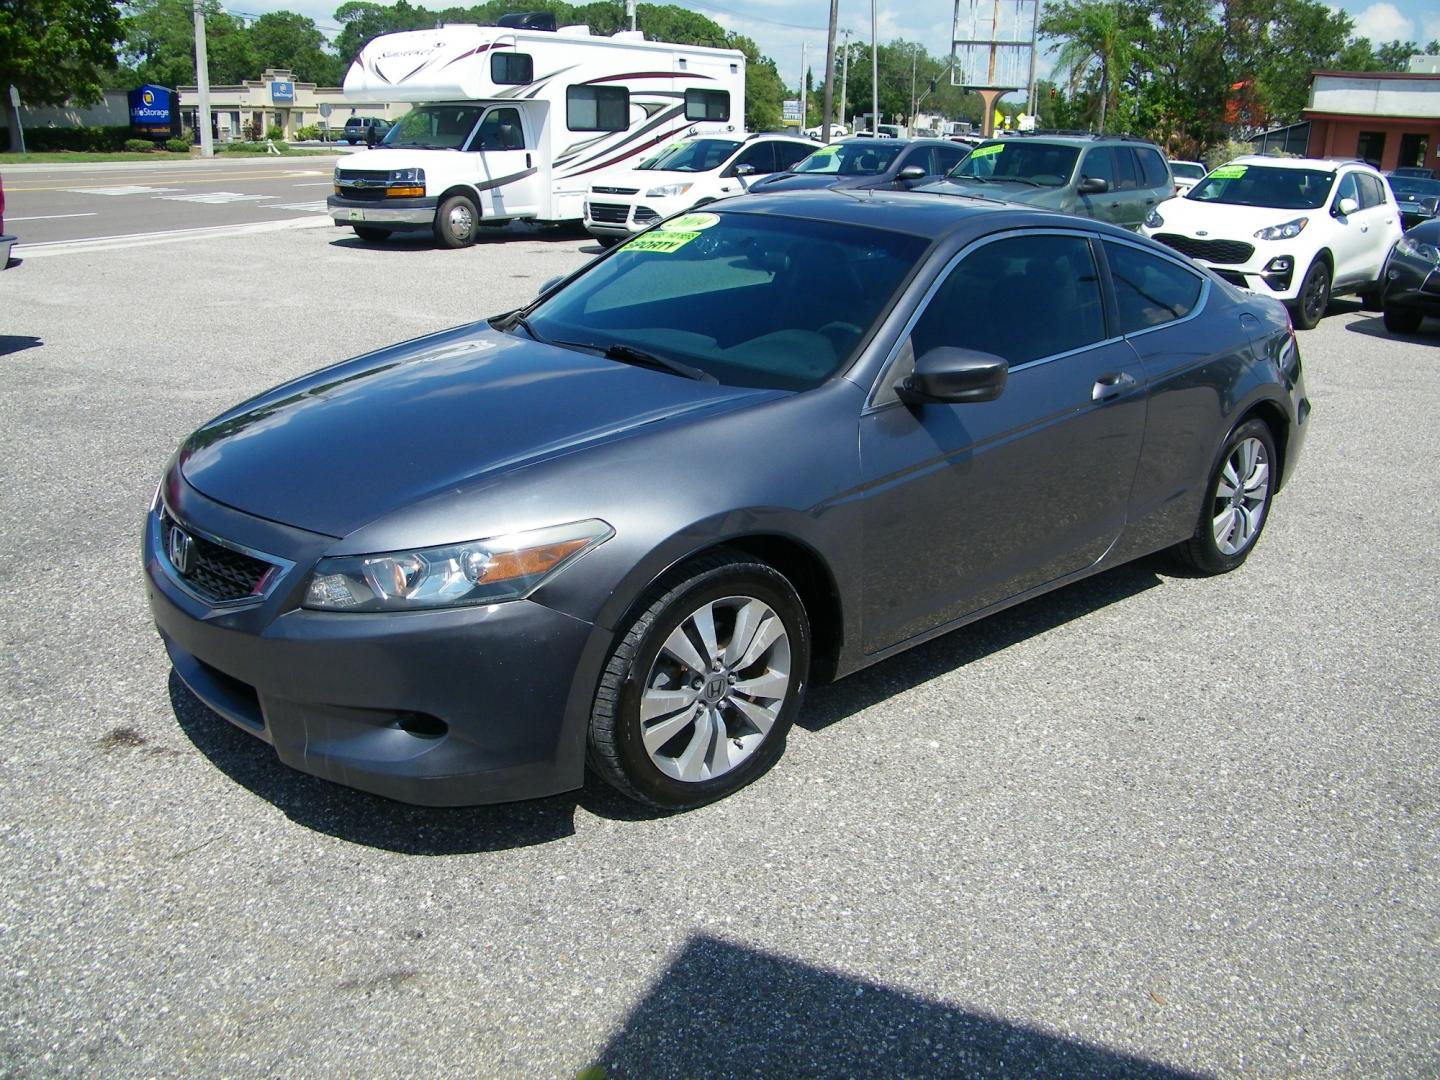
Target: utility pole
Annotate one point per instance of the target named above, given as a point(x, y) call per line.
point(804, 114)
point(829, 73)
point(845, 84)
point(874, 71)
point(202, 79)
point(630, 12)
point(914, 68)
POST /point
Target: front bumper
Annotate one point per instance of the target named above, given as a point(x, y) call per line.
point(442, 708)
point(1412, 283)
point(1253, 269)
point(607, 215)
point(398, 215)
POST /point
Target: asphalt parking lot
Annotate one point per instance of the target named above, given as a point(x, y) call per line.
point(1148, 826)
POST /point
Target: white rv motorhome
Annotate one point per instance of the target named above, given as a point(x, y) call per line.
point(513, 122)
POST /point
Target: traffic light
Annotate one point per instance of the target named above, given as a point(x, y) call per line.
point(1054, 93)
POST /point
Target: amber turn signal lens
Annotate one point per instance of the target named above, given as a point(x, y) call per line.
point(405, 192)
point(505, 565)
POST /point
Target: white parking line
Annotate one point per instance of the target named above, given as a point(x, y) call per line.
point(215, 198)
point(50, 217)
point(128, 189)
point(307, 207)
point(316, 183)
point(131, 240)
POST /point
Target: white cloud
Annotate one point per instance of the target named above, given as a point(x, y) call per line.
point(1430, 28)
point(1383, 22)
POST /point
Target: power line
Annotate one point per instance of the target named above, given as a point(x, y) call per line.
point(753, 18)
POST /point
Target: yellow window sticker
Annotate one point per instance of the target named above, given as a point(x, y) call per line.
point(987, 151)
point(1228, 172)
point(827, 151)
point(663, 242)
point(690, 222)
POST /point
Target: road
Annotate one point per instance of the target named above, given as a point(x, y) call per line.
point(70, 204)
point(1150, 826)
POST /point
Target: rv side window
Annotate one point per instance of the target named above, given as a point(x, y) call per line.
point(707, 105)
point(514, 69)
point(597, 108)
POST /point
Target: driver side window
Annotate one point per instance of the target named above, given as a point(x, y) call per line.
point(1347, 189)
point(500, 130)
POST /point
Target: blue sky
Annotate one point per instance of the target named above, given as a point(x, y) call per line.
point(780, 27)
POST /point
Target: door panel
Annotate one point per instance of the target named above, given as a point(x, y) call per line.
point(503, 149)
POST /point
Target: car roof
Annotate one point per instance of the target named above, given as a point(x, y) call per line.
point(1319, 164)
point(1069, 139)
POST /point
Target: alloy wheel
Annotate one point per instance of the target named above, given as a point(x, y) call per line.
point(1240, 499)
point(715, 689)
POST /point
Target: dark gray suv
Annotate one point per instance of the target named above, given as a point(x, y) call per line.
point(1110, 178)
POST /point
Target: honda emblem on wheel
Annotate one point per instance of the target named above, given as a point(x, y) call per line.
point(181, 547)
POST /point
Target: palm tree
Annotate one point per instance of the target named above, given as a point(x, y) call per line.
point(1095, 37)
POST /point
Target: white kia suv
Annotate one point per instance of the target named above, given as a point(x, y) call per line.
point(684, 174)
point(1298, 229)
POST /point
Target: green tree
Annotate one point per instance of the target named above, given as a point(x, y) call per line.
point(56, 50)
point(282, 39)
point(1097, 39)
point(160, 43)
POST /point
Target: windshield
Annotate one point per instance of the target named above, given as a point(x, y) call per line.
point(434, 127)
point(1412, 188)
point(761, 301)
point(1265, 185)
point(1036, 163)
point(1186, 171)
point(691, 156)
point(850, 159)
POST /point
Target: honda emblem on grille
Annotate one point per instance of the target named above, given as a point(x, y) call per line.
point(181, 547)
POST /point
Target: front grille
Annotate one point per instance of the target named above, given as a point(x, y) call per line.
point(611, 213)
point(370, 176)
point(644, 215)
point(1212, 251)
point(217, 573)
point(374, 195)
point(616, 190)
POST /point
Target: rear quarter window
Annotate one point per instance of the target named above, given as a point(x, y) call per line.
point(1149, 290)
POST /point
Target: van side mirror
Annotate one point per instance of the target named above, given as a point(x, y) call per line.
point(1346, 207)
point(1093, 185)
point(954, 376)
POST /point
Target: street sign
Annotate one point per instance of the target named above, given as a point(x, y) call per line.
point(790, 110)
point(326, 109)
point(14, 97)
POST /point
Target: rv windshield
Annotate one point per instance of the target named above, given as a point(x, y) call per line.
point(693, 155)
point(434, 127)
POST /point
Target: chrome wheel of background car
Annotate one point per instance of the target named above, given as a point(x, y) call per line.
point(1241, 496)
point(715, 689)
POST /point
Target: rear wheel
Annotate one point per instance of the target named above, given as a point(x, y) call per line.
point(1403, 320)
point(697, 698)
point(1237, 502)
point(1309, 307)
point(455, 222)
point(372, 234)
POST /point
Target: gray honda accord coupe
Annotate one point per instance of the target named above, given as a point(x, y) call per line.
point(624, 527)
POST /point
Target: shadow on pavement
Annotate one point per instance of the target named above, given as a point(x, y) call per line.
point(13, 343)
point(721, 1010)
point(1375, 327)
point(832, 703)
point(547, 233)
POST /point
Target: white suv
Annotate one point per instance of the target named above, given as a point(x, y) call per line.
point(1298, 229)
point(684, 174)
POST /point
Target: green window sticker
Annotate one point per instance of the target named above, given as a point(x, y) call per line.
point(827, 151)
point(1228, 172)
point(663, 242)
point(987, 151)
point(690, 223)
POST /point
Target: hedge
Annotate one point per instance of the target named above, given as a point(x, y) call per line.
point(95, 140)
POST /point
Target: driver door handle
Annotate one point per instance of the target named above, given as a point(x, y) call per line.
point(1112, 386)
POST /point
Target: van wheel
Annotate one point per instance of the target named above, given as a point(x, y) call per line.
point(455, 222)
point(372, 234)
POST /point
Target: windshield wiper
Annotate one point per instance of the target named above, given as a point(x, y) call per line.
point(1014, 180)
point(628, 354)
point(506, 323)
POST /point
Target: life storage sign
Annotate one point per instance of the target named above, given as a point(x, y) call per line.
point(154, 112)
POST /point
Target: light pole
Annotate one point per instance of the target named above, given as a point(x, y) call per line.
point(804, 54)
point(202, 81)
point(874, 71)
point(845, 83)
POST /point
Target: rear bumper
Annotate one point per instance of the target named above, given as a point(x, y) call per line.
point(398, 215)
point(444, 708)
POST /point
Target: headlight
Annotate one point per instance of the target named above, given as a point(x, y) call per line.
point(668, 191)
point(482, 572)
point(1418, 249)
point(1287, 231)
point(407, 176)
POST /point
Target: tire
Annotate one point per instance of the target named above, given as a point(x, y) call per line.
point(370, 233)
point(1403, 320)
point(672, 757)
point(1308, 308)
point(606, 242)
point(455, 222)
point(1370, 299)
point(1237, 503)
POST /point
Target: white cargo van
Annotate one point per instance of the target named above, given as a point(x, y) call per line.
point(512, 122)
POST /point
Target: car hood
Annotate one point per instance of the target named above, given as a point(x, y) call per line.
point(814, 181)
point(347, 445)
point(1189, 217)
point(998, 189)
point(645, 179)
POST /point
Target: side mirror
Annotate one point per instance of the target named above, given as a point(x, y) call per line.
point(1346, 207)
point(550, 283)
point(954, 376)
point(1093, 185)
point(744, 170)
point(911, 172)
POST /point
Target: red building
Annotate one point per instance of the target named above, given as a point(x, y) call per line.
point(1389, 119)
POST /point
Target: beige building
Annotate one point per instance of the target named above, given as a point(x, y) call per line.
point(252, 108)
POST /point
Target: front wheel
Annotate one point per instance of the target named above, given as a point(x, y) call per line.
point(455, 222)
point(1403, 320)
point(1237, 502)
point(697, 698)
point(1309, 307)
